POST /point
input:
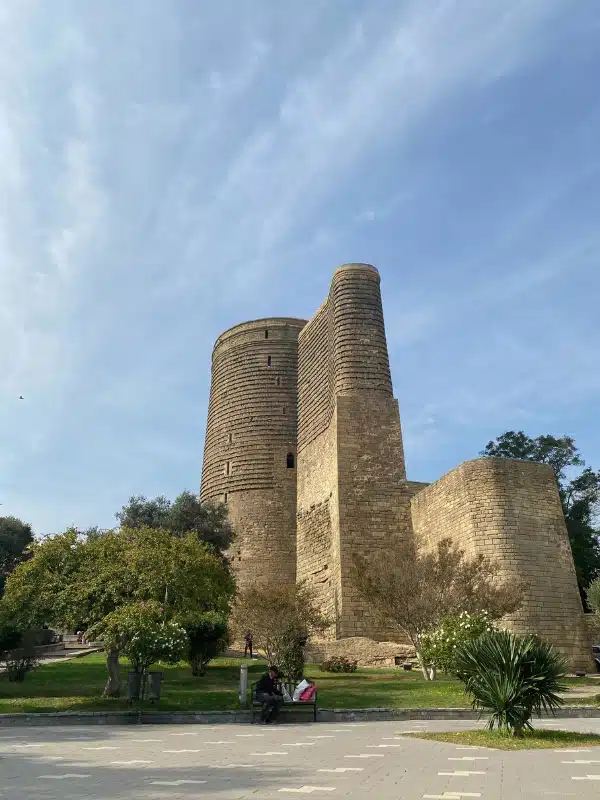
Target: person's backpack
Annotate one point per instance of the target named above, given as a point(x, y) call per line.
point(308, 695)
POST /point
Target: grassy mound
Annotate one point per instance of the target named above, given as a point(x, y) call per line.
point(532, 740)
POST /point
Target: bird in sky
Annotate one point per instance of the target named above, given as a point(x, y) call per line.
point(21, 397)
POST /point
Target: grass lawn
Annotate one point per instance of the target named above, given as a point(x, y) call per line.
point(499, 741)
point(77, 686)
point(592, 700)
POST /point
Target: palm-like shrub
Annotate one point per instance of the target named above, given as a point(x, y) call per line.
point(512, 677)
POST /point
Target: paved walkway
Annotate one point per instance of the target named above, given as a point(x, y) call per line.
point(369, 760)
point(64, 655)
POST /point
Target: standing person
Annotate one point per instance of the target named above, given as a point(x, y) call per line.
point(269, 694)
point(248, 643)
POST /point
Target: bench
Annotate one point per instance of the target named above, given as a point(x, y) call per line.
point(286, 706)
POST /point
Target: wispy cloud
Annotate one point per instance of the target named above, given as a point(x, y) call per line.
point(171, 170)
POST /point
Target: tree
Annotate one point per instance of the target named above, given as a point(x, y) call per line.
point(143, 513)
point(411, 589)
point(73, 581)
point(579, 495)
point(593, 596)
point(143, 633)
point(280, 616)
point(186, 515)
point(207, 637)
point(15, 538)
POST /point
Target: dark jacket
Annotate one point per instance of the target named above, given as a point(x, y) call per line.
point(267, 685)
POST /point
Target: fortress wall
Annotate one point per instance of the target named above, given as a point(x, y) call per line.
point(251, 428)
point(414, 487)
point(510, 511)
point(351, 483)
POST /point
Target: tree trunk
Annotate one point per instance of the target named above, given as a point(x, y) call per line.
point(113, 684)
point(424, 668)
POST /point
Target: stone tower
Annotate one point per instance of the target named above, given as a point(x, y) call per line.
point(352, 495)
point(250, 447)
point(304, 444)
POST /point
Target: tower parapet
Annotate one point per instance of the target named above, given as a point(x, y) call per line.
point(360, 355)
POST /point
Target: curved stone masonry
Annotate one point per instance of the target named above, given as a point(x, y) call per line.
point(250, 446)
point(304, 443)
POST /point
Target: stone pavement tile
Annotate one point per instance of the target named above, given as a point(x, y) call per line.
point(408, 771)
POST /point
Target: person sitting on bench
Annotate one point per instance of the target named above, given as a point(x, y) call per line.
point(269, 695)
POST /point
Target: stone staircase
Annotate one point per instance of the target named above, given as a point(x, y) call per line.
point(67, 647)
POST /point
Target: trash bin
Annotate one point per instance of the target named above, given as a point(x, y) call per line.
point(154, 682)
point(134, 685)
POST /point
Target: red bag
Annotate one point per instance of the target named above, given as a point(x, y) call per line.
point(308, 694)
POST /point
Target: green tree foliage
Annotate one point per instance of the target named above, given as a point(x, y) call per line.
point(439, 646)
point(512, 677)
point(142, 632)
point(15, 538)
point(580, 495)
point(593, 596)
point(185, 515)
point(207, 637)
point(411, 589)
point(71, 580)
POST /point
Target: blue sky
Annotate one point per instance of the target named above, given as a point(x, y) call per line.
point(172, 167)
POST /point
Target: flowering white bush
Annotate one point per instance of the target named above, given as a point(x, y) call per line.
point(439, 646)
point(144, 635)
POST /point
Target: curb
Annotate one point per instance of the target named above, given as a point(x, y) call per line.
point(242, 716)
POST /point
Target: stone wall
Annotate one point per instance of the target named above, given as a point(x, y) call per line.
point(510, 511)
point(251, 431)
point(367, 652)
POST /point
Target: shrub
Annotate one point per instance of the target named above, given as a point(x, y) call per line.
point(19, 662)
point(10, 639)
point(207, 637)
point(17, 652)
point(439, 646)
point(339, 664)
point(511, 677)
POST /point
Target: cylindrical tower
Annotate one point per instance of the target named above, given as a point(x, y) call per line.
point(360, 354)
point(250, 447)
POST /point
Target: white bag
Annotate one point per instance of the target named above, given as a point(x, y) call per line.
point(304, 684)
point(286, 694)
